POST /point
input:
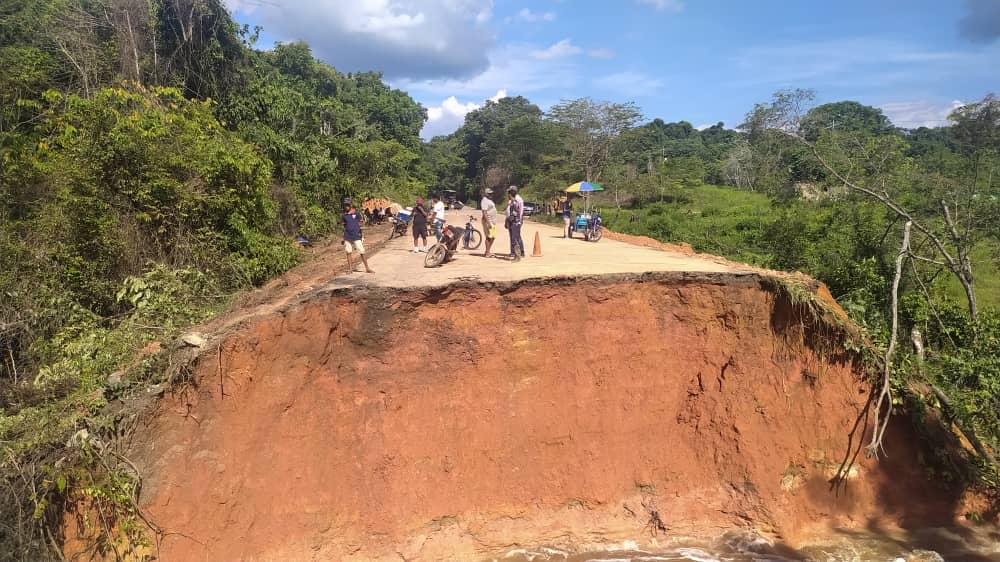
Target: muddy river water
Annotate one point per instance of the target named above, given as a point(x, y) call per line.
point(932, 545)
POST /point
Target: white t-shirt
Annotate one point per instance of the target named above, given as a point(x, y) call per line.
point(439, 211)
point(490, 208)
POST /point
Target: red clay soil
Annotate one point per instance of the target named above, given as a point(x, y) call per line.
point(462, 423)
point(648, 242)
point(682, 248)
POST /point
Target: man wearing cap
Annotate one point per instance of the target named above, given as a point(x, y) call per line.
point(515, 218)
point(489, 209)
point(351, 220)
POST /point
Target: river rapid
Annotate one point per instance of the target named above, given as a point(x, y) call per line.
point(931, 545)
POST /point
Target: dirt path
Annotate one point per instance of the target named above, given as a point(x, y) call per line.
point(397, 266)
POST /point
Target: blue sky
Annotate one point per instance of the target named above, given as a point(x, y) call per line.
point(702, 61)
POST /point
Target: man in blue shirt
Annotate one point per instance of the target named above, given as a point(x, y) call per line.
point(352, 235)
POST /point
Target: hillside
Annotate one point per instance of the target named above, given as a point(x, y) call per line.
point(462, 416)
point(172, 183)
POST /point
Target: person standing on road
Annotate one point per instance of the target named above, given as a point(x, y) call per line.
point(352, 235)
point(515, 218)
point(438, 217)
point(566, 209)
point(419, 226)
point(489, 209)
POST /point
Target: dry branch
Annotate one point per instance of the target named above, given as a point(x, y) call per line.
point(885, 393)
point(959, 265)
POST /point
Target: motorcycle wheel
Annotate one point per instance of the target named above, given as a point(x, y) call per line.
point(596, 235)
point(435, 256)
point(472, 239)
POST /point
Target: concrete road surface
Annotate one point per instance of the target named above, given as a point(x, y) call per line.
point(396, 266)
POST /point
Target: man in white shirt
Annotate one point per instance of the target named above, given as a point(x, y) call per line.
point(438, 217)
point(489, 209)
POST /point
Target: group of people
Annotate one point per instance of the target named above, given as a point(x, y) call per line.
point(422, 217)
point(378, 215)
point(435, 217)
point(513, 220)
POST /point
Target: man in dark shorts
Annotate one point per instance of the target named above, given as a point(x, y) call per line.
point(419, 226)
point(566, 210)
point(352, 235)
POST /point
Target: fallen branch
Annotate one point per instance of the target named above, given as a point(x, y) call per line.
point(970, 435)
point(958, 264)
point(885, 394)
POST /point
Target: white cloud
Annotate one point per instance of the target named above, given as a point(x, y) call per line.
point(445, 118)
point(485, 13)
point(850, 62)
point(921, 113)
point(244, 6)
point(512, 68)
point(629, 83)
point(560, 49)
point(669, 5)
point(402, 38)
point(526, 15)
point(602, 53)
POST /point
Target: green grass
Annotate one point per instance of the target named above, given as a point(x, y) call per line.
point(987, 276)
point(716, 220)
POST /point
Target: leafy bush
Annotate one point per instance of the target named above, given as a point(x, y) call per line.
point(130, 213)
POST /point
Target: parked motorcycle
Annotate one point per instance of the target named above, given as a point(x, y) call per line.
point(400, 223)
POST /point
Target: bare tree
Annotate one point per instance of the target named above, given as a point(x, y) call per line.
point(865, 166)
point(593, 128)
point(947, 224)
point(739, 165)
point(134, 34)
point(77, 35)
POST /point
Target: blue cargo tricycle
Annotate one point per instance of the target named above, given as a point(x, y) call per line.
point(589, 224)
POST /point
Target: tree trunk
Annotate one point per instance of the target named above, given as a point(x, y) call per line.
point(970, 295)
point(981, 450)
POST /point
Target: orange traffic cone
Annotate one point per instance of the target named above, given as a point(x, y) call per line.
point(537, 252)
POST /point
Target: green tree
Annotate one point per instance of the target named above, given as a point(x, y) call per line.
point(592, 130)
point(845, 116)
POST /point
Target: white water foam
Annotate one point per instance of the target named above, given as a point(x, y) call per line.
point(697, 555)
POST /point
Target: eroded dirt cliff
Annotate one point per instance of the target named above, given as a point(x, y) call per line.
point(465, 422)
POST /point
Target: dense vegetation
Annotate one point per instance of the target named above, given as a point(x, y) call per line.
point(153, 163)
point(826, 189)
